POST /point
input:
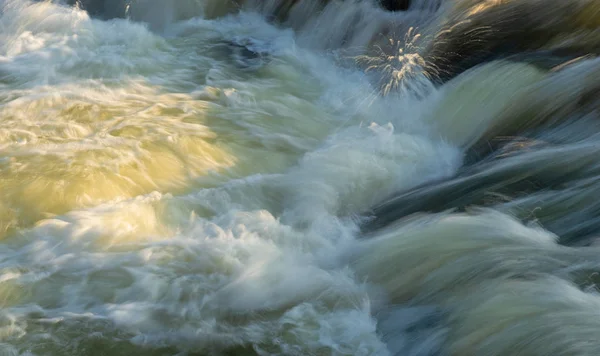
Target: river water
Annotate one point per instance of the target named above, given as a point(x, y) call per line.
point(210, 177)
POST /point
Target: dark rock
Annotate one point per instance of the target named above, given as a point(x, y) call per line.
point(395, 5)
point(496, 32)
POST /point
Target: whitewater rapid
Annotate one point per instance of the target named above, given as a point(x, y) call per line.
point(192, 180)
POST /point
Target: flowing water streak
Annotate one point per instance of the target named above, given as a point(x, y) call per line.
point(189, 181)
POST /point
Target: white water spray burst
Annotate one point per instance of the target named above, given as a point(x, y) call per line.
point(402, 70)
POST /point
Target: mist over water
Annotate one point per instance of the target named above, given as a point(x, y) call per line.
point(211, 177)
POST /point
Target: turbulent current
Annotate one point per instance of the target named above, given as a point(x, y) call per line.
point(308, 177)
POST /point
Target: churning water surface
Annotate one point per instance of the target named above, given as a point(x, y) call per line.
point(311, 177)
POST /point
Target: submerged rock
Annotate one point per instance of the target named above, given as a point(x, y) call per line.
point(249, 54)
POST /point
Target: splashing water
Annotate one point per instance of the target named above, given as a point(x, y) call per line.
point(403, 70)
point(208, 177)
